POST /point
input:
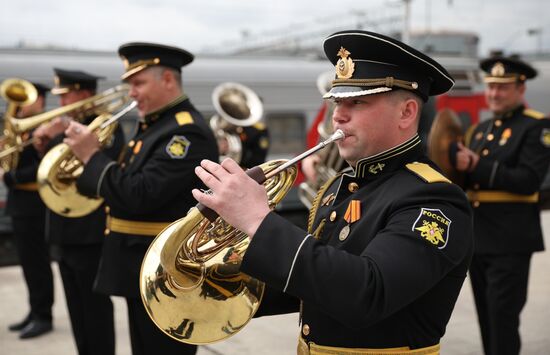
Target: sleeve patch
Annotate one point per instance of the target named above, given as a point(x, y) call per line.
point(545, 137)
point(178, 147)
point(427, 173)
point(433, 226)
point(184, 118)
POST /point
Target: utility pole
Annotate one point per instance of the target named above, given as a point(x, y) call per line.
point(537, 31)
point(406, 35)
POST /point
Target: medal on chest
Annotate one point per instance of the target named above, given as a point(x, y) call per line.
point(353, 214)
point(505, 136)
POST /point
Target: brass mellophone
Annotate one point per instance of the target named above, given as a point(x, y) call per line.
point(190, 281)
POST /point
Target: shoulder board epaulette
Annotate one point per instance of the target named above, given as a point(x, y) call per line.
point(534, 114)
point(184, 118)
point(427, 173)
point(259, 126)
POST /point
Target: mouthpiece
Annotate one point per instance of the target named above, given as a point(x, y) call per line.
point(337, 135)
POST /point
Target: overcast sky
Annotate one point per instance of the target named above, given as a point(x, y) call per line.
point(207, 24)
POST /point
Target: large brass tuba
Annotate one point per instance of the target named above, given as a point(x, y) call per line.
point(17, 93)
point(330, 161)
point(190, 281)
point(236, 106)
point(59, 169)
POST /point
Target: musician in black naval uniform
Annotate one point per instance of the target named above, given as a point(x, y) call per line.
point(151, 186)
point(254, 143)
point(27, 213)
point(389, 240)
point(505, 162)
point(80, 239)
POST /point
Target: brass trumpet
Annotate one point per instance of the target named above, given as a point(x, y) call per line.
point(190, 281)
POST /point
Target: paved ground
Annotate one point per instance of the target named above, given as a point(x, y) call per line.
point(277, 335)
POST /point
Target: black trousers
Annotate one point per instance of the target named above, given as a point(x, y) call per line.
point(34, 257)
point(499, 284)
point(147, 338)
point(91, 313)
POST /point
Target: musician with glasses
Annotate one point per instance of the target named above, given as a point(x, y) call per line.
point(389, 239)
point(150, 186)
point(28, 216)
point(80, 239)
point(505, 161)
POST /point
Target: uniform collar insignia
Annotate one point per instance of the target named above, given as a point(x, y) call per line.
point(376, 164)
point(375, 168)
point(512, 112)
point(153, 116)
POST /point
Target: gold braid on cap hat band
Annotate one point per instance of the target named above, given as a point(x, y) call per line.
point(144, 62)
point(512, 78)
point(388, 81)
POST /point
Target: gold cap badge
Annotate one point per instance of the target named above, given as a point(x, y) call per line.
point(498, 69)
point(345, 66)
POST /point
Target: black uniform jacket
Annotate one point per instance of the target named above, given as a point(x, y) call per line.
point(392, 279)
point(514, 154)
point(255, 144)
point(152, 183)
point(24, 202)
point(87, 229)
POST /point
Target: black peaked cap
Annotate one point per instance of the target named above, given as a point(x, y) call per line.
point(502, 69)
point(139, 55)
point(41, 89)
point(370, 63)
point(68, 80)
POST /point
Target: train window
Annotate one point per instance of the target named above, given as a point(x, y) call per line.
point(287, 133)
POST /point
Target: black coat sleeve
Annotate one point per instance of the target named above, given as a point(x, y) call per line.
point(145, 189)
point(523, 176)
point(393, 270)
